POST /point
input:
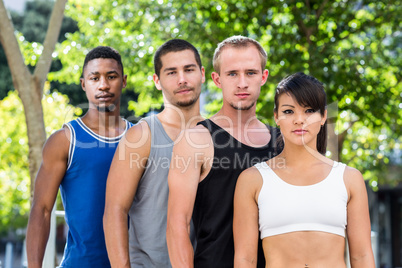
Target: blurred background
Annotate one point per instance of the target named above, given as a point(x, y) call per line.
point(352, 46)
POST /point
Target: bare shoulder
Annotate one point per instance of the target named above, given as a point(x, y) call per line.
point(138, 132)
point(352, 175)
point(250, 178)
point(197, 137)
point(59, 141)
point(354, 180)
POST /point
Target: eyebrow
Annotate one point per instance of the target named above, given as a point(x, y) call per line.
point(248, 70)
point(287, 105)
point(175, 68)
point(97, 73)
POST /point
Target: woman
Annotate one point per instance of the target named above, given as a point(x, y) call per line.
point(303, 203)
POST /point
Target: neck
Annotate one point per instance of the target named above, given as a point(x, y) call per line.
point(237, 118)
point(102, 119)
point(182, 117)
point(299, 155)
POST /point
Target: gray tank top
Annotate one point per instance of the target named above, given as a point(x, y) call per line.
point(147, 223)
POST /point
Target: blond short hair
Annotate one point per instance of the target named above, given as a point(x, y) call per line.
point(238, 41)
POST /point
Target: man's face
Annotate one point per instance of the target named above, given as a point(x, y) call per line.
point(180, 78)
point(102, 82)
point(241, 77)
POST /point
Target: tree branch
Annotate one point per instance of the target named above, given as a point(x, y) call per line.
point(11, 47)
point(308, 7)
point(52, 35)
point(321, 9)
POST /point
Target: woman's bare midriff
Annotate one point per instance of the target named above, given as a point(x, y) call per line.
point(305, 249)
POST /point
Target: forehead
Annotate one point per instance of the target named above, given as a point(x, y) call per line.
point(177, 59)
point(240, 58)
point(287, 98)
point(101, 65)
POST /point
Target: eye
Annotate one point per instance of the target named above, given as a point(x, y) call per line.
point(231, 74)
point(171, 73)
point(112, 77)
point(310, 111)
point(190, 70)
point(94, 78)
point(288, 111)
point(251, 73)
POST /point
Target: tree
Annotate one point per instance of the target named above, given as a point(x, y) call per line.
point(30, 86)
point(32, 24)
point(352, 46)
point(14, 171)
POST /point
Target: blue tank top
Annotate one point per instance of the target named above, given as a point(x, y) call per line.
point(83, 194)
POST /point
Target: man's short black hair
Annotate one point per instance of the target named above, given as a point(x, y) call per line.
point(103, 52)
point(174, 45)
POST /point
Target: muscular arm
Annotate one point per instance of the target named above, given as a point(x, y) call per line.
point(47, 182)
point(126, 170)
point(358, 228)
point(245, 218)
point(184, 175)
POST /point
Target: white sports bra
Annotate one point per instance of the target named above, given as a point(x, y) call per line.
point(285, 208)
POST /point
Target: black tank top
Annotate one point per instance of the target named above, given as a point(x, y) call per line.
point(213, 208)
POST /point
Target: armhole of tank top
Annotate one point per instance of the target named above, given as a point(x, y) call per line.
point(71, 148)
point(260, 168)
point(148, 122)
point(341, 173)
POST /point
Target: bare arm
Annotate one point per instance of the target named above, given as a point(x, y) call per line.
point(358, 228)
point(184, 176)
point(47, 182)
point(125, 172)
point(245, 218)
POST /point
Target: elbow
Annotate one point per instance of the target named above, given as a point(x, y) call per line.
point(365, 259)
point(176, 228)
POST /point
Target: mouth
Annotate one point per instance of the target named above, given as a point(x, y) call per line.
point(184, 91)
point(300, 131)
point(104, 97)
point(242, 95)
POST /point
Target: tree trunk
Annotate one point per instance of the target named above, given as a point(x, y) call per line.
point(30, 87)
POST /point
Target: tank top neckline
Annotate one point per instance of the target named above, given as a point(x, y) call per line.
point(100, 137)
point(302, 186)
point(264, 147)
point(161, 128)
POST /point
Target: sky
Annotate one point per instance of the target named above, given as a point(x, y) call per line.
point(15, 5)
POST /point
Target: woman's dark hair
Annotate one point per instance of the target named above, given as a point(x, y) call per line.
point(308, 92)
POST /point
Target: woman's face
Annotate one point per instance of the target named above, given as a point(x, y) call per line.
point(299, 125)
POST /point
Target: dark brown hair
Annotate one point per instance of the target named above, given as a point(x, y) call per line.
point(308, 92)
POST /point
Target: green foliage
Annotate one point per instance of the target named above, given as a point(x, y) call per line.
point(32, 26)
point(14, 170)
point(352, 46)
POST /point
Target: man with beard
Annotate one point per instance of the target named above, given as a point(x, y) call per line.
point(77, 159)
point(216, 151)
point(137, 183)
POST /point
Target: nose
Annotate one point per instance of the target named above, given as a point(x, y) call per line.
point(103, 84)
point(182, 79)
point(242, 82)
point(299, 119)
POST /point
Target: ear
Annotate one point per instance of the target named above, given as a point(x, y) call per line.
point(324, 118)
point(276, 118)
point(82, 81)
point(124, 81)
point(216, 78)
point(265, 74)
point(203, 74)
point(157, 82)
